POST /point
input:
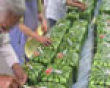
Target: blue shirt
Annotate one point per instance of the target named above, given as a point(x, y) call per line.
point(18, 39)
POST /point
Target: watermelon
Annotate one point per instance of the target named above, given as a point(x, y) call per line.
point(105, 6)
point(49, 85)
point(33, 70)
point(58, 73)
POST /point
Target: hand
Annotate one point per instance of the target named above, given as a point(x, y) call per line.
point(19, 73)
point(44, 26)
point(8, 82)
point(44, 40)
point(82, 7)
point(80, 4)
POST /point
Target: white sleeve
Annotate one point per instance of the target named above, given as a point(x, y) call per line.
point(11, 58)
point(8, 52)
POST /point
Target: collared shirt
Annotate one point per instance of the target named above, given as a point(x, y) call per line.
point(55, 9)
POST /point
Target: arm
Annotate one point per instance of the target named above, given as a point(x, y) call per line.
point(41, 16)
point(29, 32)
point(76, 3)
point(12, 62)
point(40, 10)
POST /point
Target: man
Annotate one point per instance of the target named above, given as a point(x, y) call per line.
point(11, 12)
point(32, 15)
point(8, 18)
point(56, 9)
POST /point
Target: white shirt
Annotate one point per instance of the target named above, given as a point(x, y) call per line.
point(6, 51)
point(55, 9)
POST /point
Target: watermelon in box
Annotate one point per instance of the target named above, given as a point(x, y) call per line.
point(49, 85)
point(46, 54)
point(72, 15)
point(87, 14)
point(105, 50)
point(33, 70)
point(100, 75)
point(96, 86)
point(71, 9)
point(58, 73)
point(69, 58)
point(101, 60)
point(105, 6)
point(97, 76)
point(69, 43)
point(77, 33)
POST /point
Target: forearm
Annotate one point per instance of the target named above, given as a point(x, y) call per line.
point(40, 10)
point(41, 17)
point(72, 3)
point(28, 31)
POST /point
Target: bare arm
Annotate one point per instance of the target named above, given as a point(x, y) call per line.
point(28, 31)
point(41, 16)
point(44, 40)
point(76, 3)
point(72, 3)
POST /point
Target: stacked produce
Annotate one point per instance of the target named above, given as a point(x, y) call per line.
point(49, 85)
point(101, 68)
point(54, 66)
point(100, 74)
point(45, 85)
point(58, 74)
point(75, 13)
point(89, 11)
point(33, 70)
point(47, 53)
point(71, 44)
point(105, 6)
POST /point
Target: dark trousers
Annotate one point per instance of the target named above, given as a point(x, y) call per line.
point(51, 22)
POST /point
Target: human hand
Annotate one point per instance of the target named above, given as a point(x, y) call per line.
point(44, 40)
point(21, 76)
point(82, 7)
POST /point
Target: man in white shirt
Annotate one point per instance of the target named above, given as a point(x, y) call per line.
point(56, 9)
point(10, 12)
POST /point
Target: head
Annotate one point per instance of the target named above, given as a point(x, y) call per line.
point(11, 11)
